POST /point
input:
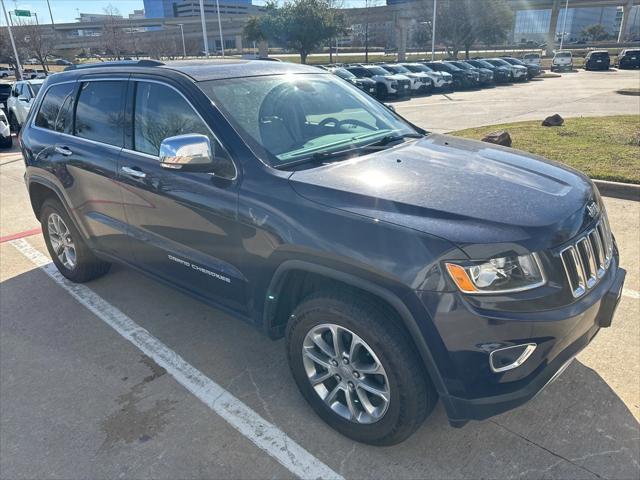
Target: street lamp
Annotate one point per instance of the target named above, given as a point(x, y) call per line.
point(13, 43)
point(220, 28)
point(433, 30)
point(184, 48)
point(204, 29)
point(564, 23)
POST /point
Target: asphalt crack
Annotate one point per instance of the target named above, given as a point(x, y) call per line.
point(542, 447)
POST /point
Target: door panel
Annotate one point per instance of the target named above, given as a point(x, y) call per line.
point(92, 161)
point(182, 225)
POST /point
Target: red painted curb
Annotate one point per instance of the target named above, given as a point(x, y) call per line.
point(16, 236)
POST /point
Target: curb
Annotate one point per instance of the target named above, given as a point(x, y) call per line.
point(625, 191)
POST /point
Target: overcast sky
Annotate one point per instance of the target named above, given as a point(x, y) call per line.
point(67, 10)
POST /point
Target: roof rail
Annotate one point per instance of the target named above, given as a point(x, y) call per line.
point(117, 63)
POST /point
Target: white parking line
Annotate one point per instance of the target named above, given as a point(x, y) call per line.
point(627, 292)
point(263, 434)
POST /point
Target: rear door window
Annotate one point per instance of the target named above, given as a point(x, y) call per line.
point(100, 112)
point(55, 110)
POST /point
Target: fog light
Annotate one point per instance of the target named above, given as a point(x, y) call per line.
point(508, 358)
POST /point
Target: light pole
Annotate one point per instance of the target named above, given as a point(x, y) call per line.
point(184, 48)
point(220, 27)
point(204, 29)
point(564, 23)
point(53, 25)
point(13, 43)
point(433, 32)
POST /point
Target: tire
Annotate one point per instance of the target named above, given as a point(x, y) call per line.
point(6, 142)
point(85, 266)
point(411, 395)
point(381, 91)
point(14, 126)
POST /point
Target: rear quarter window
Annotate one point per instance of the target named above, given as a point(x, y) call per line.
point(55, 111)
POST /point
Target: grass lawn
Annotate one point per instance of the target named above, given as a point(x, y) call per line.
point(606, 148)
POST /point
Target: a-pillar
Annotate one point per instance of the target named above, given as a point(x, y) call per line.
point(626, 11)
point(553, 27)
point(402, 33)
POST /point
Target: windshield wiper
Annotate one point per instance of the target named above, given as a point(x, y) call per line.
point(387, 139)
point(326, 157)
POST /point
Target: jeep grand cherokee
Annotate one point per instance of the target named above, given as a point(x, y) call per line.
point(401, 266)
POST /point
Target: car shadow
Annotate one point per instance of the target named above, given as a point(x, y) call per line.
point(577, 427)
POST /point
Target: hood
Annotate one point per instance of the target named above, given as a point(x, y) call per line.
point(461, 190)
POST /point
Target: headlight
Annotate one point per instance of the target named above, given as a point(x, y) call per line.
point(498, 275)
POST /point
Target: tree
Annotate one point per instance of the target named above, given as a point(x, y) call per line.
point(302, 25)
point(113, 36)
point(595, 33)
point(36, 41)
point(461, 23)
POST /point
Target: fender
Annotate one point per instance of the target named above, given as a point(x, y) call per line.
point(385, 294)
point(31, 179)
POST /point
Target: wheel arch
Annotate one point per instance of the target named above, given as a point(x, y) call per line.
point(278, 307)
point(40, 189)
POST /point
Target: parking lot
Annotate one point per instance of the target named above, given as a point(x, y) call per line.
point(82, 397)
point(574, 94)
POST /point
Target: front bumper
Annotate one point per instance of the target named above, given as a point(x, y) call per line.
point(474, 392)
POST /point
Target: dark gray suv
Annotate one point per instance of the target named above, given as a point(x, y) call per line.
point(401, 266)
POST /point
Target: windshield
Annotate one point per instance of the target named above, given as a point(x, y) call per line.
point(499, 62)
point(397, 69)
point(449, 67)
point(377, 71)
point(482, 64)
point(463, 66)
point(342, 73)
point(413, 68)
point(289, 118)
point(563, 54)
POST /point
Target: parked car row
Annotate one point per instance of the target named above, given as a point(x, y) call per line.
point(413, 78)
point(597, 60)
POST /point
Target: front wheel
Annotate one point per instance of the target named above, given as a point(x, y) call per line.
point(358, 369)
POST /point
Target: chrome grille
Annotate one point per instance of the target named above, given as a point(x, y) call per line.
point(587, 259)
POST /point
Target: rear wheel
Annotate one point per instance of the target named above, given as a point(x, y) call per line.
point(358, 369)
point(6, 142)
point(67, 248)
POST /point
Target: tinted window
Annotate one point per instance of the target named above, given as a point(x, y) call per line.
point(161, 112)
point(55, 111)
point(100, 112)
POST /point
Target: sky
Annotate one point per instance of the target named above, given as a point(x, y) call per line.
point(65, 11)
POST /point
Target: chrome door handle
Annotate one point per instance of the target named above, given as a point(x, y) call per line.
point(63, 151)
point(132, 172)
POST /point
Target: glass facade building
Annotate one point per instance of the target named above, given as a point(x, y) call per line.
point(533, 25)
point(182, 8)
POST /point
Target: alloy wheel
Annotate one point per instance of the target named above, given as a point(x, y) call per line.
point(61, 241)
point(346, 373)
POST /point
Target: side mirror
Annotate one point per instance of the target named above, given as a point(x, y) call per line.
point(190, 153)
point(23, 99)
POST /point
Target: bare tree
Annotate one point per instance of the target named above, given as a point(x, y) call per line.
point(113, 35)
point(36, 41)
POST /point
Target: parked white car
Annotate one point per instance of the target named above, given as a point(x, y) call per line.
point(439, 79)
point(19, 103)
point(532, 58)
point(6, 141)
point(30, 73)
point(5, 72)
point(562, 60)
point(420, 81)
